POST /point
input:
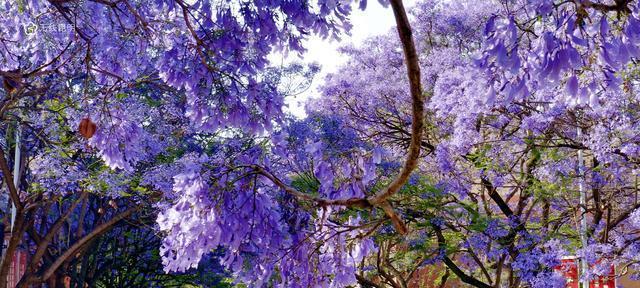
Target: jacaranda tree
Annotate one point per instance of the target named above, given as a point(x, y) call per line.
point(462, 140)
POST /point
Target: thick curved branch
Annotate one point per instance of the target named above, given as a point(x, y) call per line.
point(417, 105)
point(417, 129)
point(323, 202)
point(393, 216)
point(351, 202)
point(417, 109)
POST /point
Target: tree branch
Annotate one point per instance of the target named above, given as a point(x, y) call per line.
point(6, 172)
point(99, 230)
point(452, 266)
point(44, 241)
point(417, 99)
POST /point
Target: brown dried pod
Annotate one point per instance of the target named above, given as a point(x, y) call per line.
point(12, 81)
point(87, 128)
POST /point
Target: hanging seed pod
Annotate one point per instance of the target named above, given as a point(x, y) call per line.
point(12, 81)
point(87, 128)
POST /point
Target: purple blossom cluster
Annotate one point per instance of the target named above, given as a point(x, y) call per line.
point(188, 112)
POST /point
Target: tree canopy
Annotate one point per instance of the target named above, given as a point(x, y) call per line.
point(485, 140)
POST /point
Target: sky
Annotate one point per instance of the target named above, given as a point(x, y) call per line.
point(375, 20)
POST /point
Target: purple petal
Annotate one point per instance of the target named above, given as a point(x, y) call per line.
point(572, 86)
point(491, 97)
point(604, 26)
point(490, 26)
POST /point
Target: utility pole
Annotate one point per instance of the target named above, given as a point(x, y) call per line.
point(583, 211)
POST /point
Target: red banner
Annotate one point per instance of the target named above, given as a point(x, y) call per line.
point(569, 269)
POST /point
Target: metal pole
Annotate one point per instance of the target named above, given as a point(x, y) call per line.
point(583, 211)
point(16, 173)
point(16, 180)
